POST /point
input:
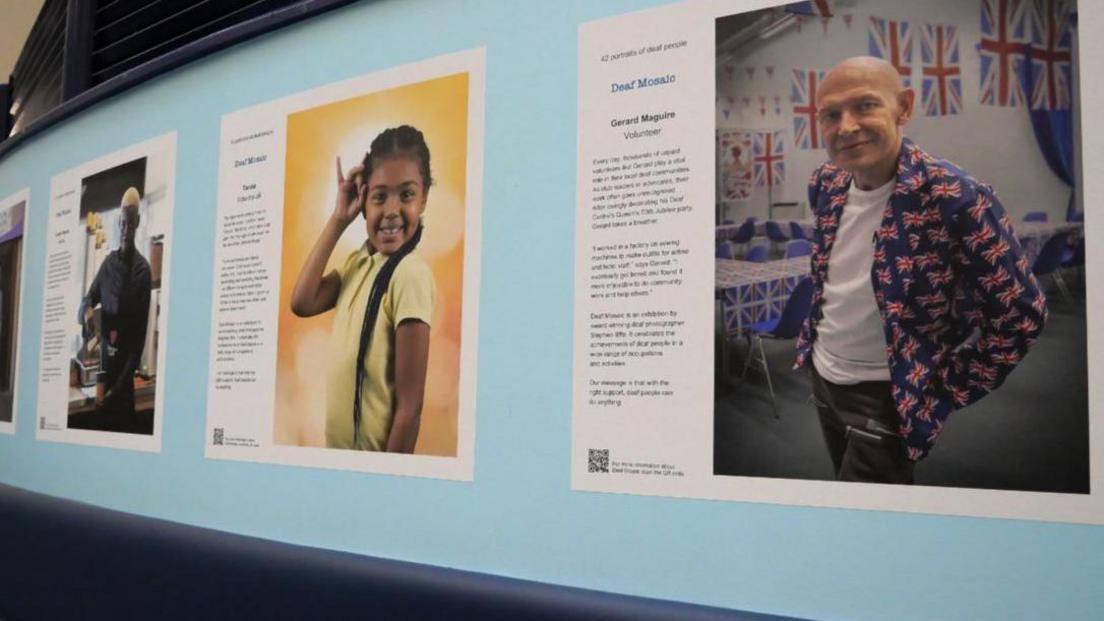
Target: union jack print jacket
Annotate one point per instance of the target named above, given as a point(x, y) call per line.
point(959, 304)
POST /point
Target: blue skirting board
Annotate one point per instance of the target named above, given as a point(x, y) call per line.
point(61, 559)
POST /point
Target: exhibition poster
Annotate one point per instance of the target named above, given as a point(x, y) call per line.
point(725, 152)
point(346, 279)
point(106, 299)
point(13, 222)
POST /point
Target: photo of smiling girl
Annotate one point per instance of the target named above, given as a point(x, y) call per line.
point(383, 295)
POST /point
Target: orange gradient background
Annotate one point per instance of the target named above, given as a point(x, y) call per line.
point(345, 129)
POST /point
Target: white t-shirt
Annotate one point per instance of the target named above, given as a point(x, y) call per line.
point(850, 346)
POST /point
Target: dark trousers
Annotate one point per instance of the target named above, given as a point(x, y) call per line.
point(860, 425)
point(116, 413)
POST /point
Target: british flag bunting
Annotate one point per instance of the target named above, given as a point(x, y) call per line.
point(1050, 54)
point(1003, 47)
point(941, 90)
point(892, 40)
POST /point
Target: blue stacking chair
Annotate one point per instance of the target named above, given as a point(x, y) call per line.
point(744, 234)
point(1050, 260)
point(1074, 257)
point(757, 254)
point(797, 232)
point(726, 250)
point(775, 234)
point(799, 248)
point(786, 326)
point(1035, 216)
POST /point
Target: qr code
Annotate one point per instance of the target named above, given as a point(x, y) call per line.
point(218, 436)
point(598, 460)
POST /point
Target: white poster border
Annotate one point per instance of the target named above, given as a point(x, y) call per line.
point(70, 181)
point(22, 196)
point(274, 114)
point(969, 502)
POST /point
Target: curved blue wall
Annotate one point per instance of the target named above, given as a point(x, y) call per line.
point(519, 517)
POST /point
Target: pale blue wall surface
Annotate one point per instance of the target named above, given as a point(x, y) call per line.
point(519, 517)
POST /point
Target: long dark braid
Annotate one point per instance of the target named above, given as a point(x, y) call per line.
point(396, 141)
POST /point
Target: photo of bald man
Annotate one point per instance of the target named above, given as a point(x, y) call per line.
point(946, 262)
point(900, 294)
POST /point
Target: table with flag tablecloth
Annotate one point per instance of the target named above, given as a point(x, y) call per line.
point(753, 292)
point(1033, 235)
point(728, 231)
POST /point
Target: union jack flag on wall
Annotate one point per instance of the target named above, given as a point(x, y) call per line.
point(941, 91)
point(803, 93)
point(892, 40)
point(1004, 38)
point(1050, 54)
point(767, 155)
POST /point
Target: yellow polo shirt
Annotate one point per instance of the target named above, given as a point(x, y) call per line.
point(411, 294)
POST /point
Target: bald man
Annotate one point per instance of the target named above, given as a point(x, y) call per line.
point(923, 303)
point(122, 290)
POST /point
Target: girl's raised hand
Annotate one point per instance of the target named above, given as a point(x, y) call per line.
point(351, 194)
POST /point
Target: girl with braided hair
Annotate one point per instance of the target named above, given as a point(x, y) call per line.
point(383, 295)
